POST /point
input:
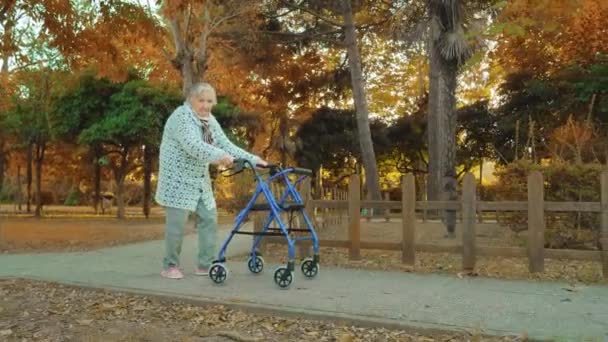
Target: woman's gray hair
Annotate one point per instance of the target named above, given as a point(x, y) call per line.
point(198, 88)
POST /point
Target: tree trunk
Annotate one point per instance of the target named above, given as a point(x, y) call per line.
point(97, 195)
point(191, 66)
point(28, 177)
point(358, 84)
point(40, 149)
point(97, 181)
point(441, 122)
point(2, 165)
point(19, 194)
point(481, 193)
point(120, 198)
point(283, 131)
point(148, 158)
point(120, 172)
point(442, 118)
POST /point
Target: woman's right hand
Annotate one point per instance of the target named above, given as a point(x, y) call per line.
point(226, 161)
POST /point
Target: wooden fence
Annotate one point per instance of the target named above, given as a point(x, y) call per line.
point(328, 217)
point(469, 208)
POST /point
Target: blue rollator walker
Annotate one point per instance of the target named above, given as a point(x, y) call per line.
point(291, 203)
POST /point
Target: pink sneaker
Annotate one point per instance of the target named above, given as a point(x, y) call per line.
point(172, 273)
point(199, 271)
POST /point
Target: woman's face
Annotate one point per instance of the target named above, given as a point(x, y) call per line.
point(202, 103)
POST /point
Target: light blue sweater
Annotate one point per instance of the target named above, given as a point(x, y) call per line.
point(183, 176)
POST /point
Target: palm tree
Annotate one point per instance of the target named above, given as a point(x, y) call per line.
point(443, 24)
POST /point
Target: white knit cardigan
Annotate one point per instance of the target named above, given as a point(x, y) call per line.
point(183, 176)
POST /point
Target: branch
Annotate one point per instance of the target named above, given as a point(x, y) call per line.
point(339, 180)
point(7, 7)
point(24, 66)
point(113, 151)
point(500, 154)
point(301, 36)
point(236, 13)
point(188, 18)
point(412, 170)
point(372, 24)
point(273, 129)
point(179, 44)
point(166, 54)
point(422, 158)
point(314, 14)
point(270, 16)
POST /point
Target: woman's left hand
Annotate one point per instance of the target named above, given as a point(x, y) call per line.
point(262, 163)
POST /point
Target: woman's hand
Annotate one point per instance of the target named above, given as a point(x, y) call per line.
point(226, 161)
point(261, 163)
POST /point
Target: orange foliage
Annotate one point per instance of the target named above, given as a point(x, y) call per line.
point(7, 88)
point(587, 33)
point(574, 141)
point(542, 36)
point(123, 37)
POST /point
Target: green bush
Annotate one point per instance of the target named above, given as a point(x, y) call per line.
point(9, 192)
point(562, 183)
point(233, 193)
point(73, 198)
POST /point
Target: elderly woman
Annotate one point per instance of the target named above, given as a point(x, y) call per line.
point(192, 139)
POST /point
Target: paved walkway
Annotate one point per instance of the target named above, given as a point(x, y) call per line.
point(542, 310)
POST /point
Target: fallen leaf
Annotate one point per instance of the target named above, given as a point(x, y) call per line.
point(346, 338)
point(85, 321)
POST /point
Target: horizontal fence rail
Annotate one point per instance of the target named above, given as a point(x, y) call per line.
point(351, 204)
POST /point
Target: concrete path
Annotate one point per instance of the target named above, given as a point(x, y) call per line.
point(542, 310)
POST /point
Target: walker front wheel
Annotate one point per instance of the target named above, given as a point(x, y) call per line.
point(218, 273)
point(255, 265)
point(309, 268)
point(283, 277)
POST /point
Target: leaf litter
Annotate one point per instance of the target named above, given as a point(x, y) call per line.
point(43, 311)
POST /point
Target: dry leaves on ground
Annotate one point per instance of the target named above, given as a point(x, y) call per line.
point(50, 312)
point(445, 263)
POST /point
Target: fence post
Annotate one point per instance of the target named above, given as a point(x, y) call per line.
point(408, 218)
point(325, 215)
point(424, 198)
point(468, 222)
point(536, 222)
point(303, 249)
point(341, 197)
point(354, 217)
point(604, 232)
point(387, 212)
point(332, 211)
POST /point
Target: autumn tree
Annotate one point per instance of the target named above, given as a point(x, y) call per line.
point(336, 23)
point(145, 108)
point(29, 120)
point(550, 76)
point(329, 138)
point(79, 107)
point(542, 37)
point(198, 28)
point(134, 117)
point(8, 21)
